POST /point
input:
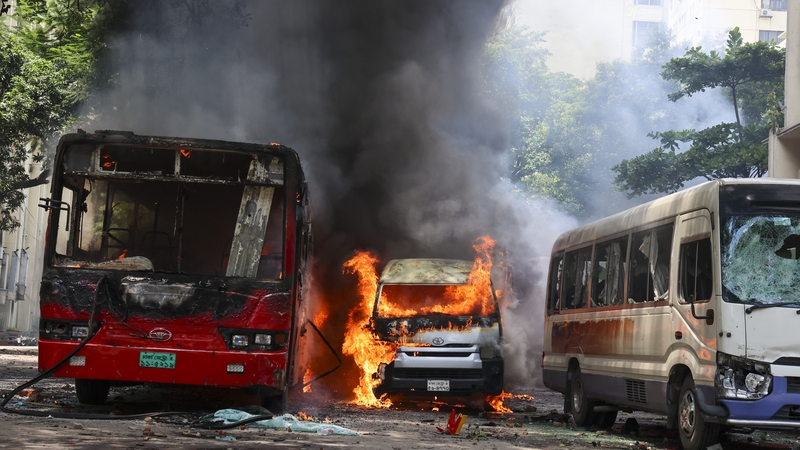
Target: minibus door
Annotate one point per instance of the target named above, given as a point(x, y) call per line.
point(692, 280)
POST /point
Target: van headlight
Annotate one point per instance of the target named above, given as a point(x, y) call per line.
point(490, 350)
point(741, 378)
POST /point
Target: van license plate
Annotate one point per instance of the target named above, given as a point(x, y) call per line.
point(157, 359)
point(439, 385)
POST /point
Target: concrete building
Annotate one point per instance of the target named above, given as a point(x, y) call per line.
point(21, 250)
point(707, 22)
point(21, 261)
point(585, 32)
point(784, 144)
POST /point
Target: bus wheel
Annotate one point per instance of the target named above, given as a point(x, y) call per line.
point(92, 392)
point(582, 407)
point(276, 404)
point(695, 432)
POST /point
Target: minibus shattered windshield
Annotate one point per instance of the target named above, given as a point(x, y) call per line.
point(760, 259)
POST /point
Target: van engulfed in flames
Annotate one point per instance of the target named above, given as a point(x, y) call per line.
point(426, 327)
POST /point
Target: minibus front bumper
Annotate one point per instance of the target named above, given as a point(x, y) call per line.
point(779, 410)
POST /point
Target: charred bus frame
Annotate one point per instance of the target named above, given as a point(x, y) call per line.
point(184, 259)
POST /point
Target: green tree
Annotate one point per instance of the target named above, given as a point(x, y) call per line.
point(567, 133)
point(752, 75)
point(47, 63)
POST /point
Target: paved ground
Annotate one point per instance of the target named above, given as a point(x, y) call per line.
point(536, 423)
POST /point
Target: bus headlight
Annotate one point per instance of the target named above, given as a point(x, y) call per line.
point(742, 379)
point(240, 340)
point(263, 339)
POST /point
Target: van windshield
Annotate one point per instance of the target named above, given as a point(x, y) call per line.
point(760, 258)
point(412, 300)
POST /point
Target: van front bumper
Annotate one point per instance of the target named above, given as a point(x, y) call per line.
point(484, 376)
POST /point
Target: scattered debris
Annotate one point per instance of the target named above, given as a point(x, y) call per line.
point(287, 421)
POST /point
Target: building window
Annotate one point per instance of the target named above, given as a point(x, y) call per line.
point(775, 5)
point(652, 2)
point(770, 35)
point(642, 31)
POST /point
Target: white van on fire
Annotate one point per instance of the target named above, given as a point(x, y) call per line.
point(446, 326)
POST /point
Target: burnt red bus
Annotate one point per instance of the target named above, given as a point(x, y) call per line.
point(183, 260)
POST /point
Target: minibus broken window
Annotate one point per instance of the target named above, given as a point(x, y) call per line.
point(577, 275)
point(554, 292)
point(608, 279)
point(759, 258)
point(696, 276)
point(648, 279)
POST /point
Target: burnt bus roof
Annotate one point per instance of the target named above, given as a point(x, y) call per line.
point(705, 195)
point(426, 271)
point(129, 138)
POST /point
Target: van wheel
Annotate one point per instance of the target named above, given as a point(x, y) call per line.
point(92, 392)
point(695, 432)
point(582, 407)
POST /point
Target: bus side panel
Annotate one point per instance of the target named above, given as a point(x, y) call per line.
point(621, 354)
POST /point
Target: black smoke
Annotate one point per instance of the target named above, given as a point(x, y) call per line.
point(384, 102)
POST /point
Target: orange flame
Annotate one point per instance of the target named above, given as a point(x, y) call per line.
point(472, 298)
point(304, 416)
point(497, 402)
point(124, 252)
point(367, 350)
point(306, 378)
point(186, 153)
point(108, 164)
point(370, 352)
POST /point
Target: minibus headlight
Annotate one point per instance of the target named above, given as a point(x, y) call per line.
point(742, 379)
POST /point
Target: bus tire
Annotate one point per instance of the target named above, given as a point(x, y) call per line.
point(92, 392)
point(276, 404)
point(695, 432)
point(605, 419)
point(582, 407)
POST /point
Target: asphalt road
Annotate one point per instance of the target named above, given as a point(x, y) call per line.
point(538, 421)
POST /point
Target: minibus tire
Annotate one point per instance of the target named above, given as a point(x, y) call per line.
point(695, 432)
point(91, 392)
point(582, 407)
point(605, 419)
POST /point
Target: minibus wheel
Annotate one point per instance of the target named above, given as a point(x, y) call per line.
point(605, 419)
point(695, 432)
point(92, 392)
point(582, 407)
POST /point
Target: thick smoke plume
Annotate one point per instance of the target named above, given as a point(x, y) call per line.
point(384, 103)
